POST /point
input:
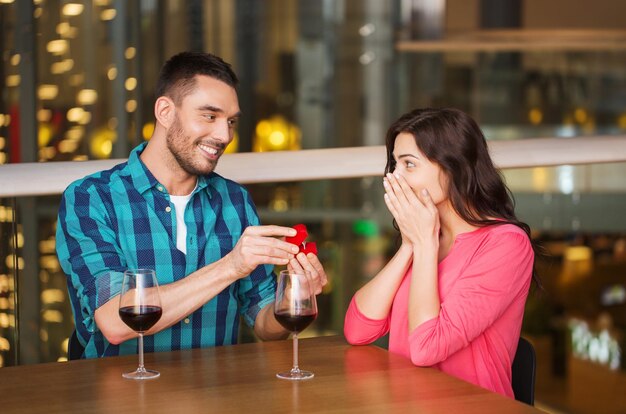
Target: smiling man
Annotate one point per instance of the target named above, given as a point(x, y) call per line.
point(166, 209)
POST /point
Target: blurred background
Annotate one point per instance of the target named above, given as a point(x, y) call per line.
point(77, 81)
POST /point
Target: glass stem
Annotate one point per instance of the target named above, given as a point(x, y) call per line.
point(295, 352)
point(140, 345)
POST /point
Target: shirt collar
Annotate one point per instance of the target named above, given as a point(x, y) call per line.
point(143, 178)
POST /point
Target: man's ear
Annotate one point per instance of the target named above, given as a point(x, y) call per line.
point(164, 111)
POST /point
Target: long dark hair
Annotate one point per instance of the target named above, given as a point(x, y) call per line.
point(453, 140)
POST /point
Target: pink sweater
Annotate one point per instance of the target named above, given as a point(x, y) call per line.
point(483, 285)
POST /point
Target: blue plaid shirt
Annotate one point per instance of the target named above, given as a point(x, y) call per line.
point(123, 218)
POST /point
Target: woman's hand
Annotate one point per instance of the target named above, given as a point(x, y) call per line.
point(417, 216)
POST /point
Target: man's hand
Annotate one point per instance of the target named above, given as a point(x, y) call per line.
point(310, 265)
point(260, 245)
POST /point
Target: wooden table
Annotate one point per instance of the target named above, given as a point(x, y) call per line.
point(241, 378)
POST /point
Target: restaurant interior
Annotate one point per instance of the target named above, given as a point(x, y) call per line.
point(77, 84)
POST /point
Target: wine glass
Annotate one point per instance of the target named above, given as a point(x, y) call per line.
point(140, 309)
point(295, 308)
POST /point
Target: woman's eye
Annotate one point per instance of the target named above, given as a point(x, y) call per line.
point(409, 164)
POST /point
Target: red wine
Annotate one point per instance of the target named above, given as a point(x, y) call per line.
point(140, 318)
point(295, 323)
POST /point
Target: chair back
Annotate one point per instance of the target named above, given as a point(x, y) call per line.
point(523, 372)
point(74, 348)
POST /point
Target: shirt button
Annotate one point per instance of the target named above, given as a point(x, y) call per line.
point(160, 188)
point(187, 320)
point(168, 209)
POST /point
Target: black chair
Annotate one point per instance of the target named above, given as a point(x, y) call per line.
point(74, 347)
point(523, 372)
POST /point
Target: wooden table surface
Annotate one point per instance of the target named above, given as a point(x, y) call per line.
point(241, 378)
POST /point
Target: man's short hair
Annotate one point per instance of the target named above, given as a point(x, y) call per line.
point(177, 77)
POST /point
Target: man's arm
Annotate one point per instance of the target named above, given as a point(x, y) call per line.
point(257, 245)
point(178, 300)
point(266, 327)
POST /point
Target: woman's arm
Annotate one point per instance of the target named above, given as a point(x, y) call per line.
point(424, 290)
point(418, 220)
point(374, 299)
point(367, 317)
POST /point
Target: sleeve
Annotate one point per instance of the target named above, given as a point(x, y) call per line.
point(258, 289)
point(361, 330)
point(500, 271)
point(88, 252)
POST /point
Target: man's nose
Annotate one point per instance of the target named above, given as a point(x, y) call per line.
point(222, 131)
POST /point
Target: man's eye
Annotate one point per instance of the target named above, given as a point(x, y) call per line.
point(210, 117)
point(232, 122)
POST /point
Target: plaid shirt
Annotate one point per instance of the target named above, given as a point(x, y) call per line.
point(122, 218)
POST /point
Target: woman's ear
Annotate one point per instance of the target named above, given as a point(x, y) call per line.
point(164, 111)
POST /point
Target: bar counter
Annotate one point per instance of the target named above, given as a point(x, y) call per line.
point(241, 379)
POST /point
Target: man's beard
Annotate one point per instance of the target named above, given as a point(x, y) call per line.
point(184, 151)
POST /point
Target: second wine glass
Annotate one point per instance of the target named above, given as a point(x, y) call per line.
point(140, 308)
point(295, 308)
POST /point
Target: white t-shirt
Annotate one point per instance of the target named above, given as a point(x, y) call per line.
point(180, 203)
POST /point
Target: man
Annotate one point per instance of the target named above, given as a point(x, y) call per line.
point(165, 209)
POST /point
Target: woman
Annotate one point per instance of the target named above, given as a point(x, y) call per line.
point(453, 295)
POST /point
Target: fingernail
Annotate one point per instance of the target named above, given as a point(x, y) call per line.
point(385, 183)
point(424, 191)
point(396, 175)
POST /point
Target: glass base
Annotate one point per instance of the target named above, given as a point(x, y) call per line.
point(142, 374)
point(295, 375)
